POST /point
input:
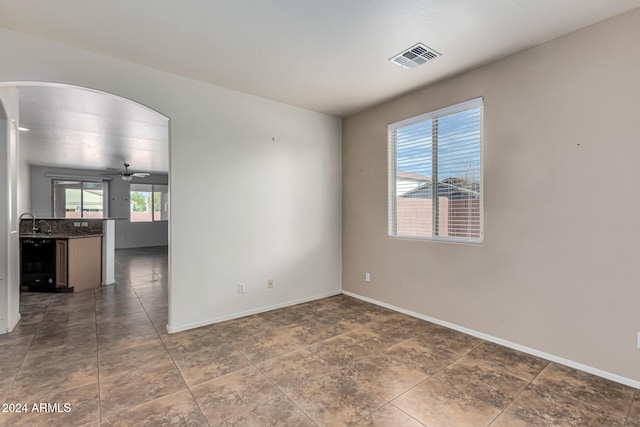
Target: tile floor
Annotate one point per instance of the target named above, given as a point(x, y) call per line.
point(336, 361)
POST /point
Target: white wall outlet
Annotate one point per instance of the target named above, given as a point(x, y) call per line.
point(367, 277)
point(241, 287)
point(270, 283)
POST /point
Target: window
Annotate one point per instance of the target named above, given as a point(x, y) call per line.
point(79, 199)
point(435, 175)
point(149, 202)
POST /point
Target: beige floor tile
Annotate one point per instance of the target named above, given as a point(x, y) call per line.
point(437, 404)
point(242, 327)
point(119, 361)
point(439, 338)
point(125, 335)
point(263, 345)
point(295, 369)
point(633, 419)
point(509, 420)
point(193, 339)
point(343, 351)
point(176, 409)
point(71, 316)
point(483, 382)
point(341, 341)
point(428, 360)
point(54, 375)
point(383, 375)
point(121, 393)
point(312, 332)
point(511, 361)
point(233, 394)
point(277, 412)
point(388, 416)
point(203, 363)
point(74, 407)
point(12, 355)
point(536, 406)
point(334, 401)
point(608, 396)
point(50, 336)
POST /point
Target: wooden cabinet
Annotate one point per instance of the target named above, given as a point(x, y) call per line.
point(61, 263)
point(79, 263)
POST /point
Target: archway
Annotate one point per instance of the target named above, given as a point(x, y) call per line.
point(102, 125)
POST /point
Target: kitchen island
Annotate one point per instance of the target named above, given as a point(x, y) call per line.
point(66, 255)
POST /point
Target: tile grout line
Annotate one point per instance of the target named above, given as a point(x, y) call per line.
point(530, 383)
point(188, 387)
point(24, 357)
point(636, 394)
point(95, 304)
point(183, 378)
point(574, 399)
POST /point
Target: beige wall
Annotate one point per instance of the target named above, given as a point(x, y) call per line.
point(555, 273)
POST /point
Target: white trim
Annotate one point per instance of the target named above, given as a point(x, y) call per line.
point(91, 178)
point(173, 330)
point(463, 106)
point(566, 362)
point(12, 326)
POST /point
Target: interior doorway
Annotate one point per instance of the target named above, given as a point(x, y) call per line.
point(75, 132)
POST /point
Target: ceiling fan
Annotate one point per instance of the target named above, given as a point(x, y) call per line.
point(126, 175)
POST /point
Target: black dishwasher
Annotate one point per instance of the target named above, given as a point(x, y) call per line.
point(38, 264)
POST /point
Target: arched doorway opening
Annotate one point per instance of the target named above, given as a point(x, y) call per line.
point(70, 133)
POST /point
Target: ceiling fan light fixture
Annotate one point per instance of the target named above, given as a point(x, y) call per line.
point(126, 175)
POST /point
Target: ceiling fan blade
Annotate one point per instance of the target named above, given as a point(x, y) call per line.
point(140, 174)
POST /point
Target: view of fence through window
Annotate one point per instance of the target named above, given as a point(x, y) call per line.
point(149, 202)
point(446, 149)
point(78, 199)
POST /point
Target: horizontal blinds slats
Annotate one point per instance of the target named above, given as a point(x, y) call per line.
point(456, 133)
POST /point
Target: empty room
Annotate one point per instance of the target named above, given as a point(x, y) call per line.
point(319, 213)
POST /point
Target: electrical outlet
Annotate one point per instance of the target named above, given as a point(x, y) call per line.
point(76, 224)
point(241, 287)
point(270, 283)
point(367, 277)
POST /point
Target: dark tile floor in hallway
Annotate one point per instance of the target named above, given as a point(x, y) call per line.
point(332, 362)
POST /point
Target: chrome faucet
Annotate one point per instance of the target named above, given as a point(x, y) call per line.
point(48, 225)
point(34, 229)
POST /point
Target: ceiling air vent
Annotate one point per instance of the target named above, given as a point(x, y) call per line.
point(415, 56)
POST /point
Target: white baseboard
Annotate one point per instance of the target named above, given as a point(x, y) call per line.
point(579, 366)
point(180, 328)
point(12, 326)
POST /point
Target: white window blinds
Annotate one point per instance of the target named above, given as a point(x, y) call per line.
point(435, 175)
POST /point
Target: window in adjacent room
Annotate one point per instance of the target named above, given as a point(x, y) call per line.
point(79, 199)
point(435, 175)
point(149, 202)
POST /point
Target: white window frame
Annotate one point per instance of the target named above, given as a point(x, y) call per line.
point(477, 103)
point(153, 191)
point(82, 180)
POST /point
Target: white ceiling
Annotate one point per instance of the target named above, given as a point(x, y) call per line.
point(71, 127)
point(329, 56)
